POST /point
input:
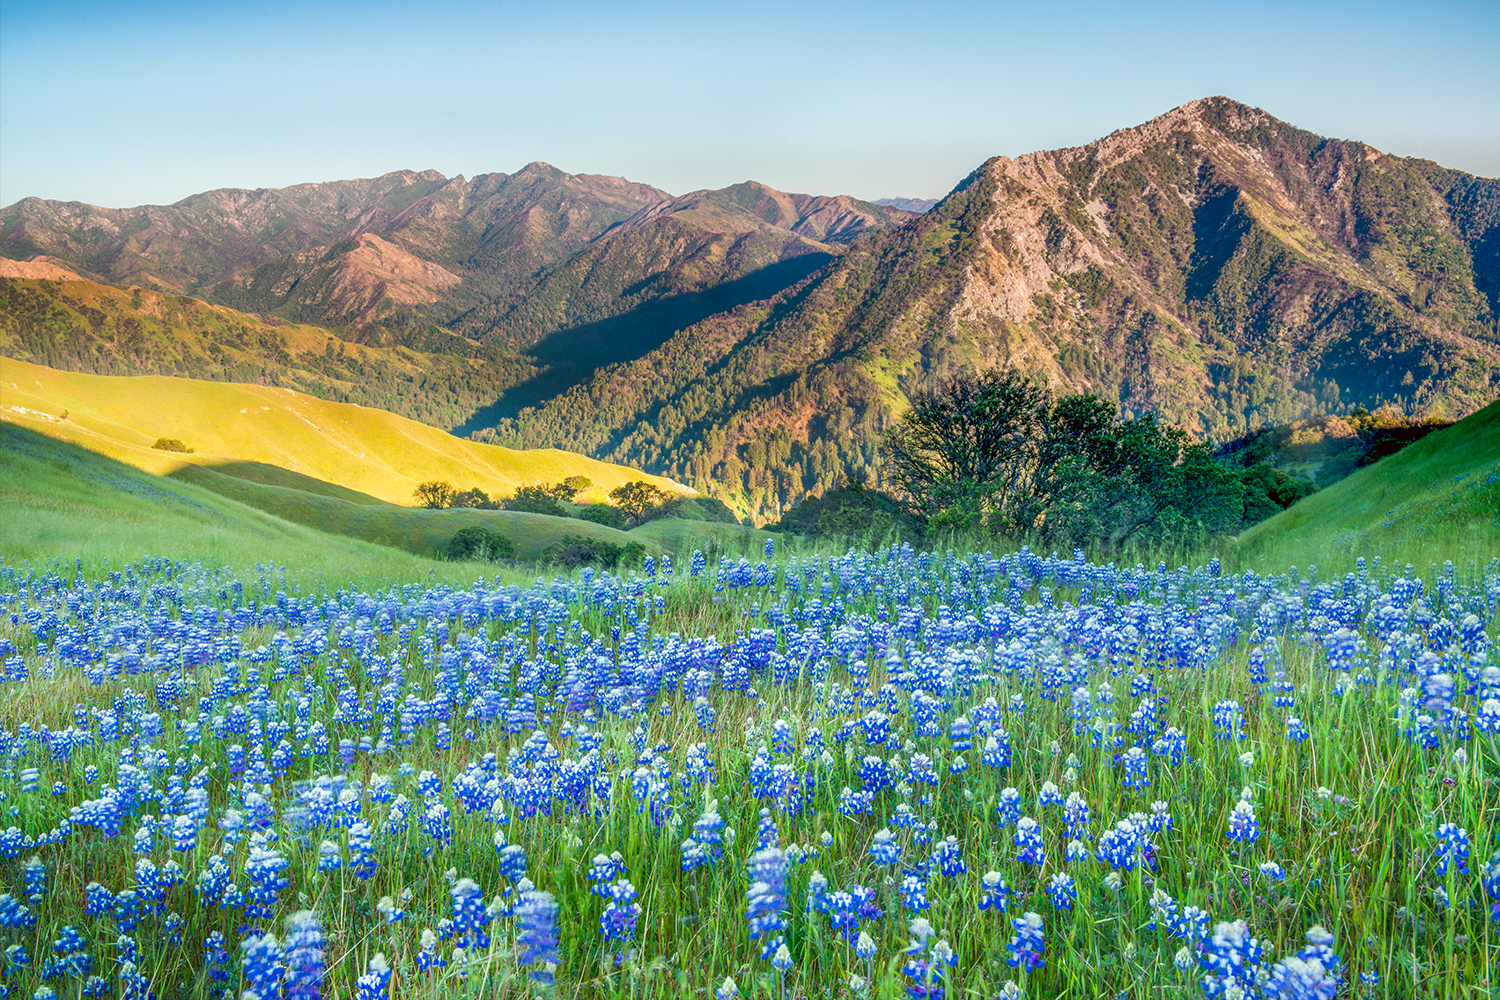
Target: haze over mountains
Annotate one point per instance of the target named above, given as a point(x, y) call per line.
point(1214, 265)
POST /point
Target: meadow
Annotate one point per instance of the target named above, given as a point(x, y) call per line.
point(872, 773)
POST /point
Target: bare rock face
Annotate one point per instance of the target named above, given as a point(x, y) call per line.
point(37, 268)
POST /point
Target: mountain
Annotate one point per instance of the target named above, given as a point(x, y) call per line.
point(401, 252)
point(1215, 266)
point(918, 205)
point(663, 270)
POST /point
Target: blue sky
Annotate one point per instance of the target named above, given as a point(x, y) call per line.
point(132, 103)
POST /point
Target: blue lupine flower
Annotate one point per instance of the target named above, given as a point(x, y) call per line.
point(1243, 827)
point(303, 951)
point(995, 892)
point(914, 894)
point(374, 984)
point(1296, 732)
point(765, 901)
point(264, 868)
point(926, 968)
point(1452, 847)
point(1231, 957)
point(1008, 809)
point(536, 938)
point(34, 874)
point(1028, 943)
point(1062, 891)
point(1029, 850)
point(1075, 816)
point(261, 963)
point(949, 857)
point(884, 848)
point(617, 923)
point(1134, 762)
point(471, 919)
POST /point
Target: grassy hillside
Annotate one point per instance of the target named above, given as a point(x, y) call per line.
point(243, 428)
point(415, 529)
point(1436, 499)
point(62, 501)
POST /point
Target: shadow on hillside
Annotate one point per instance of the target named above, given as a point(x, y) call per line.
point(572, 356)
point(272, 475)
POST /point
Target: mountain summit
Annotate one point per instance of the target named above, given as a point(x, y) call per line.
point(1213, 265)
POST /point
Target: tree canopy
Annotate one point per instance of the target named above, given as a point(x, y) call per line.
point(996, 451)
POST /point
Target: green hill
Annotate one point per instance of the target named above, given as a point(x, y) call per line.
point(238, 428)
point(1432, 500)
point(63, 501)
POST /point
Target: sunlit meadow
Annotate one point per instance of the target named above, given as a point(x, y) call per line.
point(878, 774)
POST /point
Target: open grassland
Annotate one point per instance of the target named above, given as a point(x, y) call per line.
point(1434, 500)
point(229, 424)
point(64, 502)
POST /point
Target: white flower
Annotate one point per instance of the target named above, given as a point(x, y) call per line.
point(1247, 759)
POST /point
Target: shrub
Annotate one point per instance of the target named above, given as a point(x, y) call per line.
point(477, 543)
point(164, 444)
point(572, 551)
point(602, 513)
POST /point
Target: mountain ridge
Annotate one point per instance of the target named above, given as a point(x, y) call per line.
point(1213, 265)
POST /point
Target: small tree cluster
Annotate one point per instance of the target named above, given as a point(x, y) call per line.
point(162, 444)
point(439, 495)
point(572, 551)
point(997, 452)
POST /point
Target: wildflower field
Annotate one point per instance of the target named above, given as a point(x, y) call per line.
point(881, 774)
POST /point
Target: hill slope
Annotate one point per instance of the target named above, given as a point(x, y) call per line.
point(398, 253)
point(84, 326)
point(1439, 495)
point(245, 428)
point(1215, 266)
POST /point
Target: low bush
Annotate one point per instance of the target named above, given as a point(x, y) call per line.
point(477, 543)
point(572, 551)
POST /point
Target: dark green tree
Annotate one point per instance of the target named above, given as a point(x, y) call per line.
point(433, 493)
point(536, 500)
point(966, 449)
point(637, 498)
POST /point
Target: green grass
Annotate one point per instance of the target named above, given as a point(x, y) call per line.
point(64, 502)
point(366, 450)
point(415, 529)
point(1434, 500)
